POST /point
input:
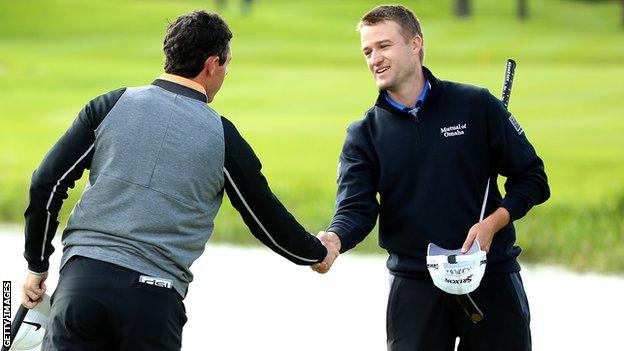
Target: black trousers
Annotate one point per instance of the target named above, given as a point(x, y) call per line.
point(422, 317)
point(101, 306)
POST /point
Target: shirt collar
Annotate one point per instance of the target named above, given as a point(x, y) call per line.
point(180, 85)
point(419, 102)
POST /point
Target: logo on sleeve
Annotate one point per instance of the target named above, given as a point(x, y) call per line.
point(516, 125)
point(454, 130)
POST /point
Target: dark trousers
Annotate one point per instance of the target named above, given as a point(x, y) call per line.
point(101, 306)
point(422, 317)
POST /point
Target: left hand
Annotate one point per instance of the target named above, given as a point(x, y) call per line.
point(482, 231)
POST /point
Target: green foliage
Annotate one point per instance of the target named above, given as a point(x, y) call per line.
point(583, 237)
point(298, 79)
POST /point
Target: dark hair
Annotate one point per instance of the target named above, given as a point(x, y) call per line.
point(191, 39)
point(410, 26)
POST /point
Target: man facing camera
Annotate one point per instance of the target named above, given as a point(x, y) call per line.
point(425, 159)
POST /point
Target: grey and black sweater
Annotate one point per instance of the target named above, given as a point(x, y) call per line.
point(159, 159)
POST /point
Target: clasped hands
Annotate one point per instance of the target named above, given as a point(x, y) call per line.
point(332, 242)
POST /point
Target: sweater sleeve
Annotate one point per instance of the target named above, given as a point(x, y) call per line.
point(62, 166)
point(268, 220)
point(356, 202)
point(514, 158)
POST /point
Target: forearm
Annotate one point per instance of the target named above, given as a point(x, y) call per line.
point(514, 157)
point(58, 172)
point(352, 227)
point(266, 217)
point(357, 206)
point(498, 219)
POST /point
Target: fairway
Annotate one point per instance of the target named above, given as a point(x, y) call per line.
point(298, 79)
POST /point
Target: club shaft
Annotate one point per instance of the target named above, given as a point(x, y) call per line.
point(470, 307)
point(467, 303)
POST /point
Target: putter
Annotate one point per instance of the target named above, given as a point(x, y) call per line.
point(465, 301)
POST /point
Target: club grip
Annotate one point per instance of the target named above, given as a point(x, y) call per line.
point(510, 70)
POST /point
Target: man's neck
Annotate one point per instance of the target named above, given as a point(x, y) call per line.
point(193, 83)
point(407, 93)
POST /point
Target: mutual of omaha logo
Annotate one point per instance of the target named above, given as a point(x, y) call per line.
point(454, 130)
point(516, 125)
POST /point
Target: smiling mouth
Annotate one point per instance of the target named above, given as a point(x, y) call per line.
point(381, 70)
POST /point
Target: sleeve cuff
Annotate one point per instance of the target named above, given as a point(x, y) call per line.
point(516, 207)
point(37, 273)
point(38, 267)
point(344, 245)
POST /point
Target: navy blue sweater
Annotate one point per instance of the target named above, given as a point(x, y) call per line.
point(430, 173)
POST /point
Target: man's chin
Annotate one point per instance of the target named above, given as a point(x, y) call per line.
point(383, 85)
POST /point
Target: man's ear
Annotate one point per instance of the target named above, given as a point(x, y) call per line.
point(417, 43)
point(211, 64)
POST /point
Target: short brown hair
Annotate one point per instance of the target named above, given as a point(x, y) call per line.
point(191, 39)
point(404, 17)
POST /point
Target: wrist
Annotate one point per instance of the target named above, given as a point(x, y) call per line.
point(37, 273)
point(336, 240)
point(497, 220)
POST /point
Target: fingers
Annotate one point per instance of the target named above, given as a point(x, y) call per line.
point(30, 299)
point(33, 290)
point(472, 234)
point(321, 267)
point(484, 242)
point(330, 238)
point(28, 303)
point(331, 241)
point(31, 294)
point(481, 232)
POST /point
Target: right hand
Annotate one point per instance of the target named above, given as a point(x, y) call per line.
point(332, 242)
point(33, 289)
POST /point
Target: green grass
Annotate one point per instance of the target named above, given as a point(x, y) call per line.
point(298, 79)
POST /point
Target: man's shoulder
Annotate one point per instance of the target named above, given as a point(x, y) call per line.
point(365, 122)
point(114, 94)
point(459, 89)
point(453, 89)
point(103, 103)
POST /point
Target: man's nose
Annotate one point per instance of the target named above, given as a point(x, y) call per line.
point(376, 58)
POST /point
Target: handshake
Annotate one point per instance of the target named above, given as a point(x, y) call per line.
point(332, 242)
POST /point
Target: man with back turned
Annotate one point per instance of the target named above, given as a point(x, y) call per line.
point(159, 159)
